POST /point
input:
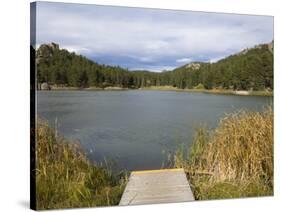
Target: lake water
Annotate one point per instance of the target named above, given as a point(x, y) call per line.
point(136, 129)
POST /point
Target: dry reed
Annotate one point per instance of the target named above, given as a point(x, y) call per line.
point(65, 178)
point(234, 160)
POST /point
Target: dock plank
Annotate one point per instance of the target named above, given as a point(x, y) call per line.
point(157, 186)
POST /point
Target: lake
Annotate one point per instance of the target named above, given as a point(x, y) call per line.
point(136, 129)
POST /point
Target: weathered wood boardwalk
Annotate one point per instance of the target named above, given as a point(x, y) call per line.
point(157, 186)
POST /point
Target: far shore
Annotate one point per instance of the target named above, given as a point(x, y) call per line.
point(212, 91)
point(111, 88)
point(170, 88)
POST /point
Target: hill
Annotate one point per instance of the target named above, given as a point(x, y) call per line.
point(250, 69)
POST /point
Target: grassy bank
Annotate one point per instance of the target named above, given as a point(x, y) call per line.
point(234, 160)
point(169, 88)
point(109, 88)
point(65, 178)
point(210, 91)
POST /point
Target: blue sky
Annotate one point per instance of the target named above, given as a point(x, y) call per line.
point(150, 39)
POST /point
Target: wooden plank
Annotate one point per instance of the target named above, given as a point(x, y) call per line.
point(157, 186)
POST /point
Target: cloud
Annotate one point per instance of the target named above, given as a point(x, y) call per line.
point(215, 59)
point(148, 38)
point(184, 60)
point(154, 68)
point(77, 49)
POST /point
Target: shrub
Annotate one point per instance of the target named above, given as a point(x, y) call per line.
point(199, 86)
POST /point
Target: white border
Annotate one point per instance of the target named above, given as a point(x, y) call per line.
point(14, 113)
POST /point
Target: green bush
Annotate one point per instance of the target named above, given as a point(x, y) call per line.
point(199, 86)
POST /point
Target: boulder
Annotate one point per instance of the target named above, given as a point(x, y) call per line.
point(45, 86)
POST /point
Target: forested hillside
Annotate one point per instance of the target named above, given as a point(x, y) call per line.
point(249, 69)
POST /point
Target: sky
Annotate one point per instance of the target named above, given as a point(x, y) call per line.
point(148, 39)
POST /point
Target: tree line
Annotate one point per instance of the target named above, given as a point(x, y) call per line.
point(249, 69)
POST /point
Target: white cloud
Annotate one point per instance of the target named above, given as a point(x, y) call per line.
point(215, 59)
point(154, 68)
point(77, 49)
point(184, 60)
point(148, 35)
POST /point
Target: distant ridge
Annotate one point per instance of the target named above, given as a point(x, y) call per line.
point(250, 69)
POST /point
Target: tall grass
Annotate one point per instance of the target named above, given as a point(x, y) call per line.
point(234, 160)
point(65, 178)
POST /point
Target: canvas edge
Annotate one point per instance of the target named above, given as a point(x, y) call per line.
point(32, 105)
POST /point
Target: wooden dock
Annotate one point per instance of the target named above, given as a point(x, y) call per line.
point(157, 186)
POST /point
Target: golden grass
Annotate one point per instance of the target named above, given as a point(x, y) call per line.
point(234, 160)
point(65, 178)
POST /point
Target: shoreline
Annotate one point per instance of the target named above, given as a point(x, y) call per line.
point(213, 91)
point(168, 88)
point(200, 168)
